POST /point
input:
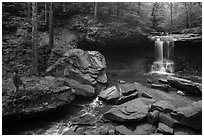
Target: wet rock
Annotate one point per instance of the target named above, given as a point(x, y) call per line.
point(153, 117)
point(71, 131)
point(81, 89)
point(145, 129)
point(163, 106)
point(62, 89)
point(160, 87)
point(163, 81)
point(164, 129)
point(168, 120)
point(189, 87)
point(127, 98)
point(190, 116)
point(180, 93)
point(122, 130)
point(134, 110)
point(156, 94)
point(149, 81)
point(146, 95)
point(127, 89)
point(109, 94)
point(121, 81)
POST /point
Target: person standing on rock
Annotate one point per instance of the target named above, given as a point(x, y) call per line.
point(17, 80)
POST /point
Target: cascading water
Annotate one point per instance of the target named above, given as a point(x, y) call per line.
point(163, 52)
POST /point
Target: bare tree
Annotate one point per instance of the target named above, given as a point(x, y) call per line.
point(35, 37)
point(171, 8)
point(154, 11)
point(95, 10)
point(29, 11)
point(138, 8)
point(46, 18)
point(51, 41)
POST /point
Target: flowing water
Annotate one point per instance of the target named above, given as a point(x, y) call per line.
point(129, 63)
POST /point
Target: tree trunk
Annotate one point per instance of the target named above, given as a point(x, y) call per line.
point(51, 41)
point(171, 8)
point(189, 17)
point(138, 8)
point(29, 11)
point(117, 10)
point(186, 6)
point(95, 10)
point(46, 18)
point(35, 37)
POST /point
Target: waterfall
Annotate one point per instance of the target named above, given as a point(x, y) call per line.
point(163, 52)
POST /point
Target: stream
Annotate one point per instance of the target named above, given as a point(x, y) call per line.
point(129, 63)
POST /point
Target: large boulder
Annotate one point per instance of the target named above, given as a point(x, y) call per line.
point(109, 94)
point(134, 110)
point(190, 116)
point(86, 67)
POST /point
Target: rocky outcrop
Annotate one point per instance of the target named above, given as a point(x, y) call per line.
point(190, 116)
point(41, 96)
point(85, 67)
point(134, 110)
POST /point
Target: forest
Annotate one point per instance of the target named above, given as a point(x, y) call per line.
point(99, 59)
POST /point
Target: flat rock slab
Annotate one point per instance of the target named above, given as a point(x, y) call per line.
point(109, 94)
point(185, 85)
point(122, 130)
point(164, 129)
point(146, 95)
point(127, 98)
point(155, 93)
point(134, 110)
point(160, 87)
point(190, 116)
point(145, 129)
point(127, 89)
point(163, 106)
